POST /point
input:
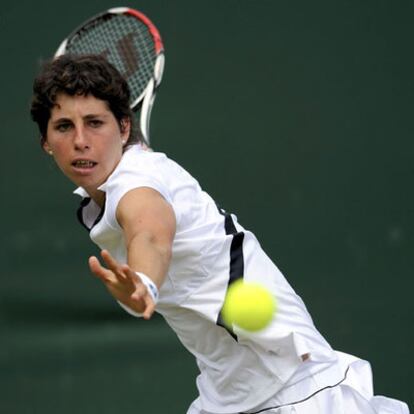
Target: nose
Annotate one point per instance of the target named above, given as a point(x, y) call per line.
point(80, 140)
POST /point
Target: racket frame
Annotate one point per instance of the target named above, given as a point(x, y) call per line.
point(146, 99)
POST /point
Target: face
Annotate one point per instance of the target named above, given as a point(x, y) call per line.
point(85, 139)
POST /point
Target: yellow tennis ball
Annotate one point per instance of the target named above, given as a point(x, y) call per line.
point(248, 305)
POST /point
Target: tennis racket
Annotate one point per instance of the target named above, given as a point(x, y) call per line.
point(131, 42)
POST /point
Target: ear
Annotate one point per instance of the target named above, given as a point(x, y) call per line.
point(46, 148)
point(125, 127)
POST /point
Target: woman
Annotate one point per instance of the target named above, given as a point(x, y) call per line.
point(167, 247)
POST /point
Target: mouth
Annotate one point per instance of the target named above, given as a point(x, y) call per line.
point(83, 167)
point(84, 164)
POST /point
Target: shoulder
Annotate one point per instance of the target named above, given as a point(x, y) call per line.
point(137, 159)
point(138, 168)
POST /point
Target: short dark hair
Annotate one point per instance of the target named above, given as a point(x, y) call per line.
point(81, 75)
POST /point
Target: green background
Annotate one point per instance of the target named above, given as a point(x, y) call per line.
point(295, 115)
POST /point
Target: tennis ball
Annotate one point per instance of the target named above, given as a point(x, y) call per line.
point(248, 305)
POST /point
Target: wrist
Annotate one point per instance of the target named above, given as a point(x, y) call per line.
point(150, 285)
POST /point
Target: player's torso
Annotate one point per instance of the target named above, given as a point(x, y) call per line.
point(194, 290)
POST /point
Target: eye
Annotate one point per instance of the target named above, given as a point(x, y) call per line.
point(63, 127)
point(95, 123)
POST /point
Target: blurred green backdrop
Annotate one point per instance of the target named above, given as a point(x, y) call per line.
point(296, 115)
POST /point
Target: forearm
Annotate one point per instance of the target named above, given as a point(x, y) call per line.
point(149, 255)
point(149, 226)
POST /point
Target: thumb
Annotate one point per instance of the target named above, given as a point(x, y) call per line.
point(139, 292)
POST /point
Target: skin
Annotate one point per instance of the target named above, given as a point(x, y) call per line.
point(82, 129)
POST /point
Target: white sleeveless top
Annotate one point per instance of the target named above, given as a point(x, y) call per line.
point(238, 370)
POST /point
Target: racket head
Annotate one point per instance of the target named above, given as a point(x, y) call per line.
point(129, 41)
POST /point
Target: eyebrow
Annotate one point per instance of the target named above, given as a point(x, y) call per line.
point(90, 116)
point(59, 120)
point(86, 118)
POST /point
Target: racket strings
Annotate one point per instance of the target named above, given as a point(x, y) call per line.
point(130, 49)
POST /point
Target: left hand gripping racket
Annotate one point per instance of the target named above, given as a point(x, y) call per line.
point(131, 42)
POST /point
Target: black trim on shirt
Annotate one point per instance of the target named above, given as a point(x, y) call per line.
point(290, 404)
point(236, 260)
point(79, 213)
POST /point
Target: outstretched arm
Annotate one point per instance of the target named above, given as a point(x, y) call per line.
point(148, 223)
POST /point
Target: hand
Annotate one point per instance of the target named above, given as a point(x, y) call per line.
point(123, 284)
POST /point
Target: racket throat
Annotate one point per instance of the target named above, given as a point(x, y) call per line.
point(146, 108)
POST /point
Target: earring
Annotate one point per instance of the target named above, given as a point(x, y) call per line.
point(50, 152)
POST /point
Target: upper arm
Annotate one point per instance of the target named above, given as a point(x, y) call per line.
point(144, 212)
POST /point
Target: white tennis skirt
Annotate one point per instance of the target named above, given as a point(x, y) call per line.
point(353, 395)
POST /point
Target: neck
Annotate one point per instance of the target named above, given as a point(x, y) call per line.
point(98, 196)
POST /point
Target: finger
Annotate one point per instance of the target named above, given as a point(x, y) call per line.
point(112, 264)
point(131, 274)
point(149, 308)
point(110, 261)
point(98, 270)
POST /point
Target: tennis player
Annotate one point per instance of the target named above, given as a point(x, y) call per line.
point(167, 247)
